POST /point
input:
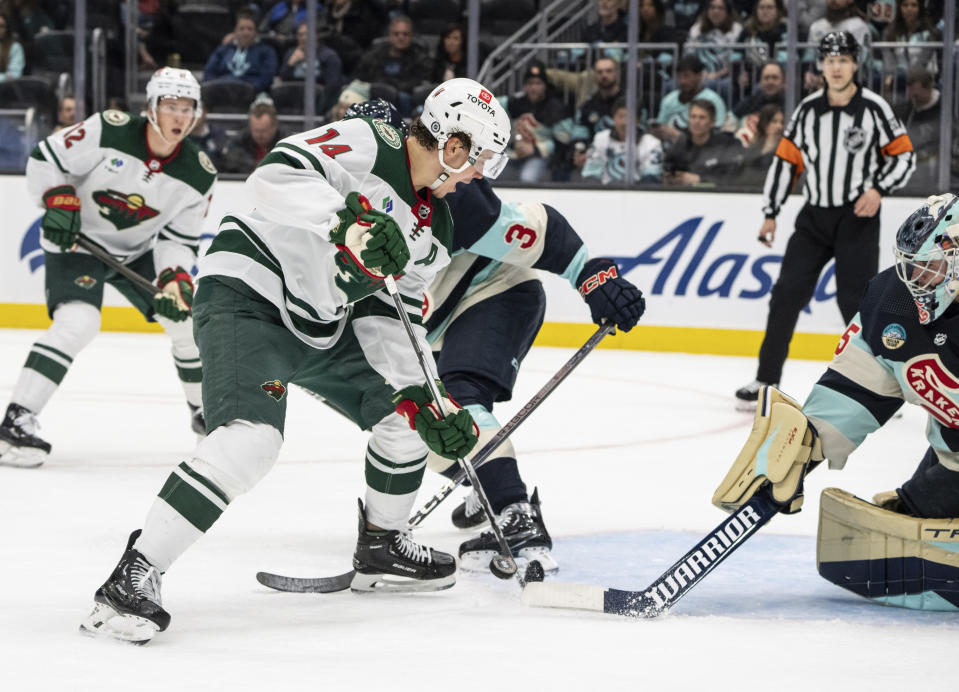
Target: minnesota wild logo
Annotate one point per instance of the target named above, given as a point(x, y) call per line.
point(123, 211)
point(274, 389)
point(85, 281)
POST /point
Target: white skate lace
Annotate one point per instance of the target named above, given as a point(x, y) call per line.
point(411, 549)
point(27, 422)
point(146, 580)
point(473, 504)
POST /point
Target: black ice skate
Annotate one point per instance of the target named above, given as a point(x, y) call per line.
point(392, 561)
point(746, 397)
point(524, 530)
point(19, 444)
point(197, 421)
point(469, 514)
point(127, 606)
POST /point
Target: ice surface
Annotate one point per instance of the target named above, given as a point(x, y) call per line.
point(626, 454)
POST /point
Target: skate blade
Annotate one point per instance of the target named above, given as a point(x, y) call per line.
point(21, 457)
point(745, 406)
point(478, 560)
point(105, 622)
point(391, 583)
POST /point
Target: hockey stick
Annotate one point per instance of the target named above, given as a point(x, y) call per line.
point(115, 264)
point(341, 582)
point(674, 583)
point(503, 565)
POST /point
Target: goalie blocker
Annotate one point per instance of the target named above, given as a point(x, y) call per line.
point(891, 558)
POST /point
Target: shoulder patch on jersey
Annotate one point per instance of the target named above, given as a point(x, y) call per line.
point(388, 134)
point(893, 336)
point(116, 117)
point(206, 163)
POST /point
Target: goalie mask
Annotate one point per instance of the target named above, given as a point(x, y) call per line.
point(927, 245)
point(462, 105)
point(171, 82)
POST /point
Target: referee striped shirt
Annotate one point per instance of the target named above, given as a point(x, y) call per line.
point(843, 150)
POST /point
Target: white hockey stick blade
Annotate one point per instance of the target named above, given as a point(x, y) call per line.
point(563, 595)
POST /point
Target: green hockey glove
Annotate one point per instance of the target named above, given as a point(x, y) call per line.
point(61, 220)
point(175, 298)
point(451, 437)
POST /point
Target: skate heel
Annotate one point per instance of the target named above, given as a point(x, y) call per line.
point(105, 621)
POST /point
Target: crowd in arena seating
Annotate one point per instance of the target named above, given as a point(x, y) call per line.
point(709, 112)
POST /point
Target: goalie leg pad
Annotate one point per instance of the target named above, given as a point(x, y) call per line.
point(780, 448)
point(891, 558)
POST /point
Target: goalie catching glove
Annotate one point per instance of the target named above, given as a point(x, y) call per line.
point(609, 296)
point(451, 437)
point(175, 298)
point(371, 247)
point(61, 220)
point(782, 448)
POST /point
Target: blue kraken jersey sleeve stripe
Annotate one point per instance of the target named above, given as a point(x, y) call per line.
point(853, 420)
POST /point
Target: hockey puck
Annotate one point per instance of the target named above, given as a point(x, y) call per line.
point(502, 567)
point(535, 571)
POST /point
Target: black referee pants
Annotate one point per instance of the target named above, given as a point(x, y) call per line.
point(821, 233)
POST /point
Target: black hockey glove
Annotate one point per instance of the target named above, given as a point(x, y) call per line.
point(451, 437)
point(609, 296)
point(61, 220)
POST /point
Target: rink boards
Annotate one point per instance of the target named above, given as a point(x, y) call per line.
point(694, 254)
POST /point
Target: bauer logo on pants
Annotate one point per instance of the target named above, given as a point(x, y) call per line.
point(275, 389)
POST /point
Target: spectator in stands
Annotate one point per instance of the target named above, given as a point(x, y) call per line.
point(764, 28)
point(354, 92)
point(284, 18)
point(841, 15)
point(717, 26)
point(244, 57)
point(772, 89)
point(911, 24)
point(653, 29)
point(329, 70)
point(611, 25)
point(922, 117)
point(255, 141)
point(761, 148)
point(349, 27)
point(685, 14)
point(606, 158)
point(66, 113)
point(703, 155)
point(450, 59)
point(32, 20)
point(532, 116)
point(674, 110)
point(209, 137)
point(401, 63)
point(11, 52)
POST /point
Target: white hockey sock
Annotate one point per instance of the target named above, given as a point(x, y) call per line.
point(74, 326)
point(186, 357)
point(166, 535)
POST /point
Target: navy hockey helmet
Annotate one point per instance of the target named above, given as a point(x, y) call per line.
point(927, 255)
point(378, 109)
point(839, 43)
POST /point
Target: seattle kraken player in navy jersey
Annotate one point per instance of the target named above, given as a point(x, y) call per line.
point(903, 345)
point(482, 313)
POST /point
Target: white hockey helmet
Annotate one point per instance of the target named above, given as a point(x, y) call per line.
point(172, 82)
point(463, 105)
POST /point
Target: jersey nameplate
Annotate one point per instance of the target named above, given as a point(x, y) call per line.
point(116, 117)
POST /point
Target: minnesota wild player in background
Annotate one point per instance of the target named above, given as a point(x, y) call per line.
point(136, 187)
point(292, 291)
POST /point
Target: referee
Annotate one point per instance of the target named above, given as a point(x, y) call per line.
point(853, 151)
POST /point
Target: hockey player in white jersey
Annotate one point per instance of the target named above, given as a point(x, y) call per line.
point(138, 189)
point(293, 292)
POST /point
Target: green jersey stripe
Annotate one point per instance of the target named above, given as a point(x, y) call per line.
point(281, 158)
point(176, 235)
point(389, 462)
point(374, 306)
point(235, 241)
point(49, 152)
point(255, 239)
point(305, 154)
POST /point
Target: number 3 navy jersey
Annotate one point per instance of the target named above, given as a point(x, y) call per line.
point(884, 357)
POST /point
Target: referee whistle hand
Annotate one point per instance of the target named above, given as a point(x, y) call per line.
point(767, 232)
point(868, 204)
